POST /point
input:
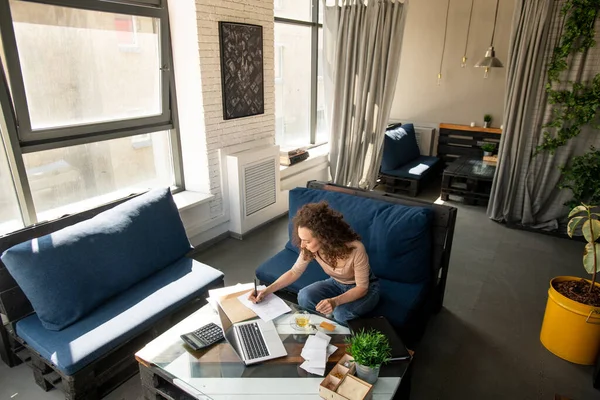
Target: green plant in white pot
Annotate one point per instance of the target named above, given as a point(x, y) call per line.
point(488, 148)
point(370, 349)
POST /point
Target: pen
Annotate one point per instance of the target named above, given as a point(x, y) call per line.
point(255, 291)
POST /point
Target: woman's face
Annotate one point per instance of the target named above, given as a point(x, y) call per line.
point(307, 240)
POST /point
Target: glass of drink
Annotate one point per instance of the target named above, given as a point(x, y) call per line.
point(302, 319)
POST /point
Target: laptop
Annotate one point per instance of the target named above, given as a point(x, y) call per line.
point(254, 341)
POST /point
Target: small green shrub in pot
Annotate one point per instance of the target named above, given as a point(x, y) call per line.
point(487, 120)
point(488, 148)
point(370, 349)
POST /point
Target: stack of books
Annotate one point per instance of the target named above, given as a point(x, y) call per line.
point(292, 156)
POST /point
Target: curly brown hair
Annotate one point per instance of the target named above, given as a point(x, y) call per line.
point(329, 227)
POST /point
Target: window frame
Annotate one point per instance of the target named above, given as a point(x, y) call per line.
point(314, 61)
point(50, 138)
point(13, 103)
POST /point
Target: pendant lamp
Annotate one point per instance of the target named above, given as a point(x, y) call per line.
point(439, 80)
point(490, 60)
point(463, 63)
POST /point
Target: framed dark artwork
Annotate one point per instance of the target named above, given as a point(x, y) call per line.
point(242, 76)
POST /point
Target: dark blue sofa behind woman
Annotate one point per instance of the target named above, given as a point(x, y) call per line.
point(408, 243)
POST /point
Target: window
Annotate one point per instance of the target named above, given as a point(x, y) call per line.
point(91, 89)
point(77, 178)
point(81, 72)
point(299, 99)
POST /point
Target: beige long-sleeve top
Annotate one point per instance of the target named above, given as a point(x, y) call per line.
point(354, 269)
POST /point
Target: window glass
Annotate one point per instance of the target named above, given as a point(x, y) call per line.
point(292, 89)
point(293, 9)
point(77, 178)
point(10, 216)
point(81, 66)
point(322, 132)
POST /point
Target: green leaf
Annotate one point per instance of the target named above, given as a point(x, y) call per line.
point(591, 230)
point(577, 210)
point(588, 257)
point(573, 224)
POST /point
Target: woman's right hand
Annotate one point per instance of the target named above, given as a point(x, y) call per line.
point(260, 295)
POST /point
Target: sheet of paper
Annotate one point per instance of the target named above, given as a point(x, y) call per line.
point(270, 308)
point(317, 371)
point(316, 352)
point(217, 294)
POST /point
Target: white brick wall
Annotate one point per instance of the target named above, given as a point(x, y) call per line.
point(221, 133)
point(195, 38)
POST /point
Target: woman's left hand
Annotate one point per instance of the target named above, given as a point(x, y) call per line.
point(326, 306)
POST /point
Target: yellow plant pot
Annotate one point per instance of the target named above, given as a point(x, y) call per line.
point(571, 330)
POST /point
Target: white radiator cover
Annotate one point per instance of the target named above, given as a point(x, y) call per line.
point(254, 188)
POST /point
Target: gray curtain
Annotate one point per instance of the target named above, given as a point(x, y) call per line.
point(362, 41)
point(524, 189)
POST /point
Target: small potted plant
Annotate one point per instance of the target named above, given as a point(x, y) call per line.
point(571, 327)
point(370, 349)
point(487, 120)
point(488, 148)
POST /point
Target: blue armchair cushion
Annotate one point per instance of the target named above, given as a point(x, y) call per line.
point(70, 272)
point(397, 300)
point(397, 237)
point(402, 171)
point(121, 318)
point(399, 146)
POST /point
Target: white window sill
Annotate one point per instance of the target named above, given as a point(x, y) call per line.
point(316, 155)
point(187, 199)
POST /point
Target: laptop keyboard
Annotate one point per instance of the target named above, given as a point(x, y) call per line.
point(253, 341)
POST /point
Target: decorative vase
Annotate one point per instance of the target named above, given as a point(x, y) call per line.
point(486, 124)
point(571, 330)
point(367, 374)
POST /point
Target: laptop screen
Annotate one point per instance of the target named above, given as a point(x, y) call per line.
point(226, 323)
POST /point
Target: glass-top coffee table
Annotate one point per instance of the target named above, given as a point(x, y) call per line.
point(171, 370)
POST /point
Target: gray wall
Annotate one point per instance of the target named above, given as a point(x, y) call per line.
point(463, 95)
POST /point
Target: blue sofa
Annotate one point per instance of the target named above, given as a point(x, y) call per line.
point(400, 154)
point(402, 241)
point(98, 284)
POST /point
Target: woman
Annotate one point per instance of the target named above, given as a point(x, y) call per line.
point(323, 235)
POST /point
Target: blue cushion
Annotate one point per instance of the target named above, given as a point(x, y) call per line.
point(397, 237)
point(399, 147)
point(281, 262)
point(72, 271)
point(402, 171)
point(122, 318)
point(397, 300)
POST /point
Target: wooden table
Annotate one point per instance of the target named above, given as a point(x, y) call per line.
point(171, 370)
point(469, 178)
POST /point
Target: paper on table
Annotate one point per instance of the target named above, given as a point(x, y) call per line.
point(269, 308)
point(316, 351)
point(217, 294)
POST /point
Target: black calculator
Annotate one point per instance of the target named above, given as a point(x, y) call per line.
point(203, 337)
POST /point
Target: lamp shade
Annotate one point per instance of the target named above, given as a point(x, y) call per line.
point(490, 60)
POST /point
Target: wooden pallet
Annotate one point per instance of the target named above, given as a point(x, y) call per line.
point(464, 141)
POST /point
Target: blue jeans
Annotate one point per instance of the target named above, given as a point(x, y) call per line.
point(311, 295)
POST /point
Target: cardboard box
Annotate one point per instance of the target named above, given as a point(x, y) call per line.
point(341, 384)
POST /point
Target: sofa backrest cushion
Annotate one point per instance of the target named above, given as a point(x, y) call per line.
point(399, 147)
point(397, 238)
point(72, 271)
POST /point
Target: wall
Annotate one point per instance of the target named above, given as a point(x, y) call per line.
point(464, 95)
point(205, 135)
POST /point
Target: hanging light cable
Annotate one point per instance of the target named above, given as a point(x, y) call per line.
point(464, 59)
point(490, 60)
point(439, 80)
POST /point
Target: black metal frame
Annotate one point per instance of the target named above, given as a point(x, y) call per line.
point(104, 374)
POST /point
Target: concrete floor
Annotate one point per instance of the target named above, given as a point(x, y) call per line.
point(485, 342)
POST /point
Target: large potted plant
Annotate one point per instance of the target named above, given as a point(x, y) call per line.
point(571, 327)
point(370, 349)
